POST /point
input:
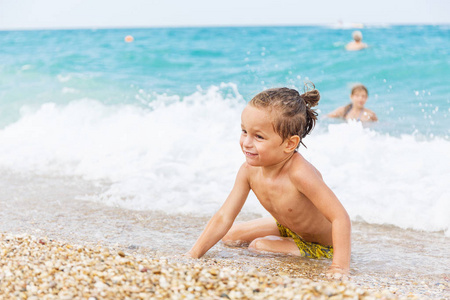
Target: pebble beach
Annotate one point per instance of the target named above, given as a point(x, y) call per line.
point(42, 268)
point(61, 248)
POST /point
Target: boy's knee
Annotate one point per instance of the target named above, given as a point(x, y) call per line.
point(232, 238)
point(266, 243)
point(257, 244)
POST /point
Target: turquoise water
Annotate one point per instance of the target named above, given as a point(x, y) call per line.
point(156, 122)
point(406, 68)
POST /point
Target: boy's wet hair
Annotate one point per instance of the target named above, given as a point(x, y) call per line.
point(292, 113)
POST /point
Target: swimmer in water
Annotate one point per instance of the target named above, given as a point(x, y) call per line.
point(357, 44)
point(356, 110)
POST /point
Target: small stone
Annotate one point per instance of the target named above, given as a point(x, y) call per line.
point(214, 272)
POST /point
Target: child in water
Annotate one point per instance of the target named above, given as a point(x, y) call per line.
point(356, 110)
point(307, 218)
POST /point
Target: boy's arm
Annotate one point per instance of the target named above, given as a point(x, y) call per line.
point(222, 220)
point(312, 186)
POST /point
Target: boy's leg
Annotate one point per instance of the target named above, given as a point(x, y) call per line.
point(275, 244)
point(244, 233)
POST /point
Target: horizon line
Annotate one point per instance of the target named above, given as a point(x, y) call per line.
point(336, 25)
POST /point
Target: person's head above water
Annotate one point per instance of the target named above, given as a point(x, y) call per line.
point(291, 113)
point(359, 95)
point(356, 109)
point(359, 87)
point(357, 43)
point(357, 36)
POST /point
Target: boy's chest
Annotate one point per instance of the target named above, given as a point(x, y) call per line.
point(277, 196)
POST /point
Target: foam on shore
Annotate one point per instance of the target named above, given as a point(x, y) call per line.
point(181, 155)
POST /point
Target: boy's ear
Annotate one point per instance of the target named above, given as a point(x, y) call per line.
point(292, 143)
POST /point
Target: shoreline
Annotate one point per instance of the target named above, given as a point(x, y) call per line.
point(43, 268)
point(403, 263)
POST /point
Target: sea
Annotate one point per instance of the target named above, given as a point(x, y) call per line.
point(135, 141)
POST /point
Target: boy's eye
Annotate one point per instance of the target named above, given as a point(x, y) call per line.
point(244, 131)
point(259, 137)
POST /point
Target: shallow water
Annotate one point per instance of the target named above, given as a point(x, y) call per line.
point(382, 256)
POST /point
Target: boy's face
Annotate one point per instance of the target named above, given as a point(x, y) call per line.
point(359, 98)
point(261, 145)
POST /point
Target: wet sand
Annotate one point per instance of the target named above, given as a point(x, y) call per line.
point(386, 261)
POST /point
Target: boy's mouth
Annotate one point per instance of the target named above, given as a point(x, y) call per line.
point(249, 154)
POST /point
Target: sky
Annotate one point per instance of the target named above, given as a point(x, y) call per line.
point(62, 14)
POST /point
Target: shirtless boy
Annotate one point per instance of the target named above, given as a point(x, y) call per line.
point(307, 218)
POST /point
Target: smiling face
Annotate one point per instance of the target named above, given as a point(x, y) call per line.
point(359, 98)
point(261, 145)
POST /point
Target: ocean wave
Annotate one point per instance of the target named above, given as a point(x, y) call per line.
point(384, 179)
point(181, 154)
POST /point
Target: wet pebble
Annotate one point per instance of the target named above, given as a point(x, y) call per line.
point(57, 270)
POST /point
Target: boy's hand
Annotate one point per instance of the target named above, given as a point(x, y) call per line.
point(336, 272)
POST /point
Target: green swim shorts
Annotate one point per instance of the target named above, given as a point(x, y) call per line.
point(307, 249)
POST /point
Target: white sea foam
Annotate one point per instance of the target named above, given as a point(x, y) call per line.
point(384, 179)
point(180, 154)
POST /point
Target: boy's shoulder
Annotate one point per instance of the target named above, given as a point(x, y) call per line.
point(300, 166)
point(302, 173)
point(247, 170)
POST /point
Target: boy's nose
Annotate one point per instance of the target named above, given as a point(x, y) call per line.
point(247, 142)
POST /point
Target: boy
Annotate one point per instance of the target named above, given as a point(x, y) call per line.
point(308, 219)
